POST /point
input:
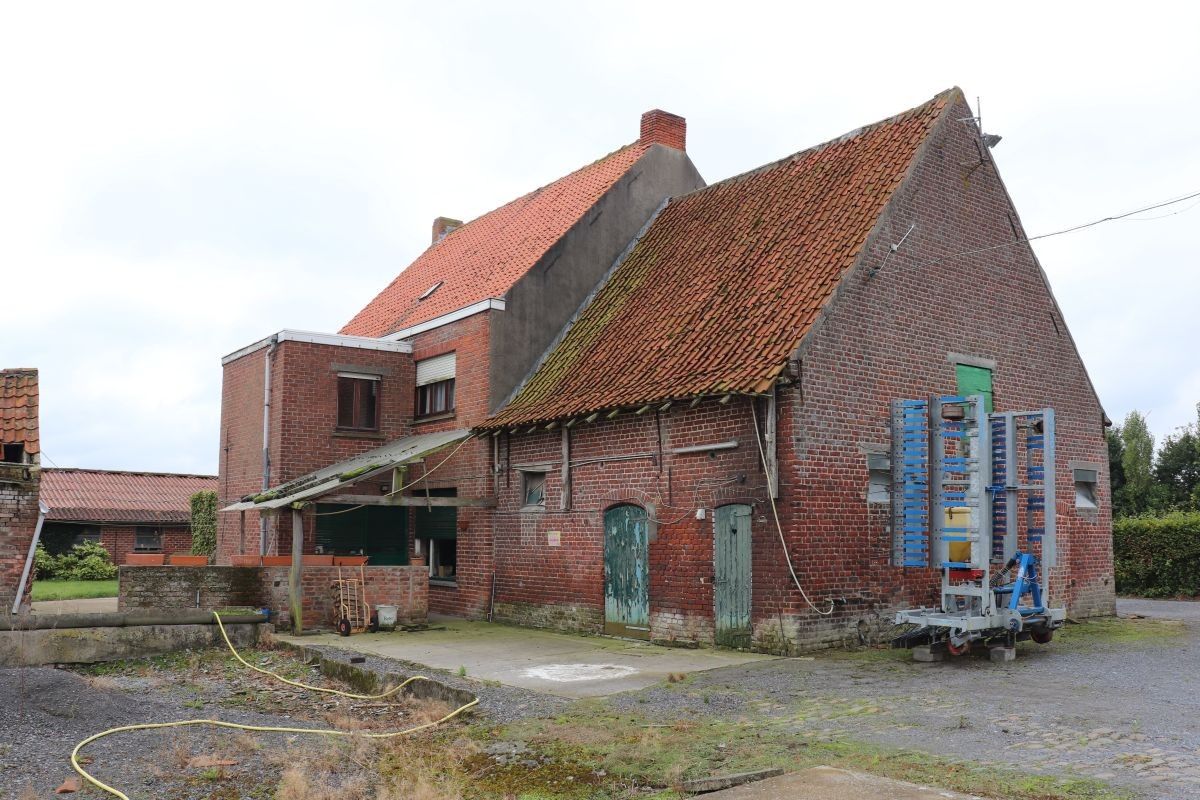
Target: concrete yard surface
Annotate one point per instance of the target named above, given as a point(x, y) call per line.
point(566, 665)
point(827, 783)
point(89, 605)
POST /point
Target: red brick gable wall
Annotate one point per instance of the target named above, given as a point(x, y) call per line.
point(120, 539)
point(890, 336)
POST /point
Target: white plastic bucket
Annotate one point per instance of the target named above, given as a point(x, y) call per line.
point(386, 615)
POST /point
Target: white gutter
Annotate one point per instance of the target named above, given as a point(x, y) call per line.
point(313, 337)
point(43, 510)
point(490, 304)
point(266, 440)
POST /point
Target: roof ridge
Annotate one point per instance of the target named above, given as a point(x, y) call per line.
point(129, 472)
point(853, 133)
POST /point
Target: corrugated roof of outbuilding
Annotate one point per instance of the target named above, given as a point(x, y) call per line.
point(96, 495)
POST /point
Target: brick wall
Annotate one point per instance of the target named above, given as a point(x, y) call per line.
point(626, 460)
point(303, 425)
point(218, 587)
point(119, 540)
point(468, 470)
point(18, 519)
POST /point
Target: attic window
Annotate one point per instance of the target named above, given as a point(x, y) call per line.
point(430, 290)
point(13, 453)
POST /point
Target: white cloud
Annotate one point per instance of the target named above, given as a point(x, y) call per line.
point(181, 180)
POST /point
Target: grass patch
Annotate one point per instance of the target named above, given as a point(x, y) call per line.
point(650, 754)
point(72, 590)
point(1117, 631)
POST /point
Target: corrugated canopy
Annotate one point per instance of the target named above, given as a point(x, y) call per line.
point(360, 467)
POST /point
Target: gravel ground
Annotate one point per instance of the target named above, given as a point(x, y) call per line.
point(46, 711)
point(1120, 712)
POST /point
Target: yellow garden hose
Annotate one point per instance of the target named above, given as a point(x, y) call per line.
point(216, 723)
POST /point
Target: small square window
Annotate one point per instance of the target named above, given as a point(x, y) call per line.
point(534, 486)
point(148, 540)
point(1085, 488)
point(879, 478)
point(13, 453)
point(358, 402)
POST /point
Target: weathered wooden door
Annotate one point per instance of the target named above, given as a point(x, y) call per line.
point(731, 582)
point(626, 572)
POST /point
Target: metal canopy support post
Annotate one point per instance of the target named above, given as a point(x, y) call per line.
point(295, 599)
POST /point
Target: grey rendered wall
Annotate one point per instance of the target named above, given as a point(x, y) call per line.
point(551, 292)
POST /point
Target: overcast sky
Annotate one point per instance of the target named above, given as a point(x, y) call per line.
point(177, 181)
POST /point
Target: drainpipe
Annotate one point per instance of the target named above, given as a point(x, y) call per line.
point(266, 441)
point(43, 510)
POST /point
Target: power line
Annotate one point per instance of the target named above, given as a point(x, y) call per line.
point(1072, 229)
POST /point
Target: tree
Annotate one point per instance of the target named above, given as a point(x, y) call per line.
point(204, 523)
point(1116, 470)
point(1137, 460)
point(1177, 468)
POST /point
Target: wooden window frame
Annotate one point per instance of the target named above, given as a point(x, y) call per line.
point(138, 532)
point(359, 383)
point(423, 408)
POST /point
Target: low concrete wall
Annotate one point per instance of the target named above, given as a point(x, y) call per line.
point(88, 645)
point(208, 588)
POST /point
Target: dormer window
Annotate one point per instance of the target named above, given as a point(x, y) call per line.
point(430, 290)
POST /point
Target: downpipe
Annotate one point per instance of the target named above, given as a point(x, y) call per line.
point(43, 510)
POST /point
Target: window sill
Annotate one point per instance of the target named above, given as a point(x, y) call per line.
point(434, 418)
point(538, 509)
point(450, 583)
point(350, 433)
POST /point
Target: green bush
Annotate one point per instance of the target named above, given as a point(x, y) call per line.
point(1158, 556)
point(88, 561)
point(44, 564)
point(204, 523)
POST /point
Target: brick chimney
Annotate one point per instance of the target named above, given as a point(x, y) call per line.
point(661, 127)
point(442, 226)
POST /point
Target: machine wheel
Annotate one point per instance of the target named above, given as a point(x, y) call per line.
point(373, 625)
point(1041, 635)
point(960, 650)
point(343, 627)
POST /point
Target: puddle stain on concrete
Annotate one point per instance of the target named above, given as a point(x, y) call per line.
point(574, 673)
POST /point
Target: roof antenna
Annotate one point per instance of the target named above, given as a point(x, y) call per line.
point(990, 140)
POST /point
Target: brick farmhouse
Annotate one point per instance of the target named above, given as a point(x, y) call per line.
point(628, 402)
point(127, 512)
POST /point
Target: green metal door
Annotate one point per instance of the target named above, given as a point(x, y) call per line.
point(975, 380)
point(626, 572)
point(731, 569)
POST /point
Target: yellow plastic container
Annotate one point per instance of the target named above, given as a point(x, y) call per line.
point(958, 517)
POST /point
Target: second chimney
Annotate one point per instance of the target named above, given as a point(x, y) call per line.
point(442, 226)
point(661, 127)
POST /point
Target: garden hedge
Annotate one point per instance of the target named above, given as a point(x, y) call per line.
point(1158, 556)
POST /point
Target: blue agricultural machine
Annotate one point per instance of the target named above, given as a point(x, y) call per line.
point(973, 495)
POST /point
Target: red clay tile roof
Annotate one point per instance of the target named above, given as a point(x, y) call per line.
point(485, 257)
point(19, 408)
point(93, 495)
point(727, 281)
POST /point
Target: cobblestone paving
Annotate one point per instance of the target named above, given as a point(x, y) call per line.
point(1126, 712)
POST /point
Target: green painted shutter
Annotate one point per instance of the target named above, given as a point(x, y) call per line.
point(975, 380)
point(436, 522)
point(380, 532)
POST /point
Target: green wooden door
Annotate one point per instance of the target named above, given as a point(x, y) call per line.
point(626, 572)
point(975, 380)
point(731, 569)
